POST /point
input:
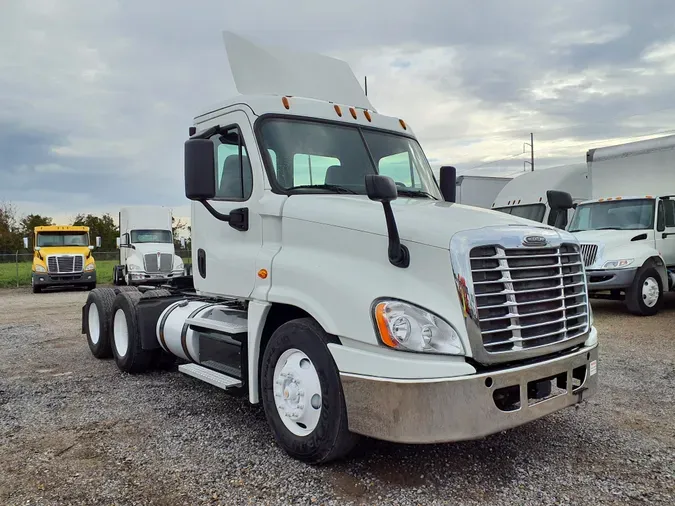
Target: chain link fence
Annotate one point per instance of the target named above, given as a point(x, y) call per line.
point(15, 268)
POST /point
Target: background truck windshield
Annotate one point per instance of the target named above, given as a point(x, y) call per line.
point(635, 214)
point(141, 236)
point(533, 212)
point(47, 239)
point(310, 154)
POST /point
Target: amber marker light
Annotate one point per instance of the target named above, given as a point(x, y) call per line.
point(262, 273)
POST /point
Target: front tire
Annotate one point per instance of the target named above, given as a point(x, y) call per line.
point(126, 338)
point(302, 394)
point(645, 296)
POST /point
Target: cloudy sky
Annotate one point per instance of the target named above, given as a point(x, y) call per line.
point(96, 97)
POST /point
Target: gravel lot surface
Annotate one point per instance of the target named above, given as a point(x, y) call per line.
point(74, 430)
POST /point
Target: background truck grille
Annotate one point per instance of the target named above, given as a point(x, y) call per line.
point(65, 263)
point(589, 252)
point(165, 262)
point(528, 297)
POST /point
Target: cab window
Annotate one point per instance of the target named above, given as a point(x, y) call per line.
point(234, 177)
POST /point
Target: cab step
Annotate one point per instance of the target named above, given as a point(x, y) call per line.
point(208, 376)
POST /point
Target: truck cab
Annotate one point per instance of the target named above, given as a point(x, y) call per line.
point(146, 245)
point(62, 257)
point(337, 284)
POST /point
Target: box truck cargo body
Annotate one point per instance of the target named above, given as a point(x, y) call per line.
point(479, 191)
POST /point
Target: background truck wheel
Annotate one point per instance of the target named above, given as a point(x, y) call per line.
point(126, 339)
point(97, 318)
point(645, 295)
point(118, 278)
point(91, 287)
point(302, 394)
point(36, 289)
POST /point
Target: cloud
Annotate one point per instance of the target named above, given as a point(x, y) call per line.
point(96, 98)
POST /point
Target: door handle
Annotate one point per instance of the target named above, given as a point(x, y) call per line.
point(666, 234)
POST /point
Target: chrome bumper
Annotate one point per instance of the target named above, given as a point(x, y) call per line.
point(455, 409)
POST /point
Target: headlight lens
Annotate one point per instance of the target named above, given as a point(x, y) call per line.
point(407, 327)
point(39, 268)
point(134, 267)
point(617, 264)
point(90, 267)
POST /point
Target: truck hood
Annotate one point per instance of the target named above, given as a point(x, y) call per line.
point(153, 247)
point(64, 250)
point(610, 238)
point(424, 221)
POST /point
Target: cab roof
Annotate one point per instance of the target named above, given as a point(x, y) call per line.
point(62, 228)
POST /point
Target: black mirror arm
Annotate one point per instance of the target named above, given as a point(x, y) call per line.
point(217, 215)
point(399, 255)
point(238, 218)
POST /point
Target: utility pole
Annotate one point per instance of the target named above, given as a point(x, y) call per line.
point(365, 80)
point(531, 144)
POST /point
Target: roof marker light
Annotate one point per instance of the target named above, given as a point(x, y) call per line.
point(353, 111)
point(402, 123)
point(338, 110)
point(649, 196)
point(367, 115)
point(539, 199)
point(284, 100)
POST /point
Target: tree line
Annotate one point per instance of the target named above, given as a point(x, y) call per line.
point(14, 227)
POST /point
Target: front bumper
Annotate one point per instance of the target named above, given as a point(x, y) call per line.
point(43, 279)
point(455, 409)
point(145, 278)
point(609, 279)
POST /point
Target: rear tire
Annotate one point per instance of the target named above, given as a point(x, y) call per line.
point(126, 338)
point(314, 428)
point(98, 321)
point(645, 295)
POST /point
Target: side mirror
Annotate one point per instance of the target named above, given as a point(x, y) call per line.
point(448, 183)
point(117, 242)
point(91, 248)
point(98, 242)
point(383, 189)
point(37, 248)
point(25, 242)
point(182, 242)
point(559, 200)
point(200, 169)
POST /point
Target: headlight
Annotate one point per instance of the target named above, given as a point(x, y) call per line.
point(406, 327)
point(39, 268)
point(134, 267)
point(90, 267)
point(617, 264)
point(179, 266)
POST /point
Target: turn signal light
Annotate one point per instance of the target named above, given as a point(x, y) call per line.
point(262, 273)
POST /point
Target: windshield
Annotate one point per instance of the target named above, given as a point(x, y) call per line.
point(635, 214)
point(533, 212)
point(47, 239)
point(141, 236)
point(308, 156)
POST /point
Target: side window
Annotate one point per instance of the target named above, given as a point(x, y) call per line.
point(661, 217)
point(669, 207)
point(399, 167)
point(234, 178)
point(312, 169)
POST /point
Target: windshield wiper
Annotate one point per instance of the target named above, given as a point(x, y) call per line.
point(415, 193)
point(331, 187)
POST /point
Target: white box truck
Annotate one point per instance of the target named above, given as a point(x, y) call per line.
point(627, 230)
point(146, 244)
point(530, 194)
point(479, 191)
point(364, 302)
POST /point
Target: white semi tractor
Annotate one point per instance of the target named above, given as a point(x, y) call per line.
point(479, 191)
point(146, 244)
point(357, 303)
point(536, 195)
point(627, 230)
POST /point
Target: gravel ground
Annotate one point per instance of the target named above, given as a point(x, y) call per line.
point(74, 430)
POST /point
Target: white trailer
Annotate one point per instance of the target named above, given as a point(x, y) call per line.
point(479, 191)
point(627, 230)
point(146, 244)
point(339, 286)
point(526, 195)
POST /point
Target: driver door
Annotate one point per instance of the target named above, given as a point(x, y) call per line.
point(665, 230)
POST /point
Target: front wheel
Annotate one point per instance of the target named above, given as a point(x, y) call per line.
point(302, 395)
point(645, 295)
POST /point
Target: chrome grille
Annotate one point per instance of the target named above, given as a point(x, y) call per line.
point(528, 297)
point(165, 263)
point(61, 264)
point(589, 252)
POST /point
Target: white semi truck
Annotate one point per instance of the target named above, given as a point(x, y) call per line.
point(479, 191)
point(532, 194)
point(357, 303)
point(627, 230)
point(146, 244)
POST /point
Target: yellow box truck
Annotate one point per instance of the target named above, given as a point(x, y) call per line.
point(62, 257)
